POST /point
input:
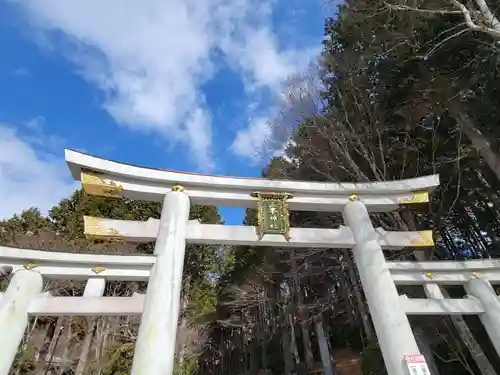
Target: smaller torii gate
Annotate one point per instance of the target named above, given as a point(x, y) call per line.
point(155, 346)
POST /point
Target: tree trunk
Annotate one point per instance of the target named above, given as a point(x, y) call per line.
point(55, 337)
point(295, 349)
point(356, 285)
point(263, 334)
point(182, 334)
point(323, 347)
point(254, 360)
point(426, 349)
point(286, 343)
point(102, 338)
point(344, 287)
point(470, 342)
point(306, 339)
point(44, 347)
point(183, 326)
point(478, 141)
point(65, 356)
point(85, 349)
point(50, 354)
point(303, 318)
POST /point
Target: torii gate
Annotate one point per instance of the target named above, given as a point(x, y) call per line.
point(155, 346)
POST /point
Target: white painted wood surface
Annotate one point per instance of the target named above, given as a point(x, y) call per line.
point(46, 305)
point(155, 346)
point(466, 266)
point(36, 256)
point(448, 306)
point(152, 184)
point(95, 287)
point(390, 321)
point(432, 273)
point(214, 234)
point(61, 271)
point(442, 278)
point(86, 306)
point(14, 306)
point(77, 266)
point(481, 290)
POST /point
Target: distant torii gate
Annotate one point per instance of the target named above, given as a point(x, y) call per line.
point(155, 346)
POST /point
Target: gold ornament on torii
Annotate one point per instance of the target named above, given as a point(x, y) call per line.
point(272, 213)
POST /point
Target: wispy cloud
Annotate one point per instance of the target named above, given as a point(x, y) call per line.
point(250, 142)
point(29, 177)
point(21, 72)
point(152, 57)
point(269, 133)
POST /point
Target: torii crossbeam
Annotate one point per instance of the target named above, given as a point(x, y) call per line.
point(155, 346)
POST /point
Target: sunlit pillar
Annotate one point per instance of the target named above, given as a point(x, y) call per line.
point(480, 288)
point(155, 345)
point(391, 324)
point(25, 285)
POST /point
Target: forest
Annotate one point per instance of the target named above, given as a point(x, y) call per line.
point(401, 89)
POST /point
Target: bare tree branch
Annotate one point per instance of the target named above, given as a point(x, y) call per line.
point(487, 23)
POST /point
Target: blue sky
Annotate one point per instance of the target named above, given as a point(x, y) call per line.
point(178, 84)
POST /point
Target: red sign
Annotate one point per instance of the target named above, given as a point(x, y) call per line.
point(414, 358)
point(416, 365)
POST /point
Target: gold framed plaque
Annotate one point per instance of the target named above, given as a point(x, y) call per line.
point(272, 213)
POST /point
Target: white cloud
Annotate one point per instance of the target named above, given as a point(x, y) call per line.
point(267, 68)
point(268, 135)
point(21, 72)
point(152, 57)
point(29, 178)
point(250, 141)
point(198, 131)
point(262, 61)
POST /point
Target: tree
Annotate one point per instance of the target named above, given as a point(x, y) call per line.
point(107, 343)
point(477, 15)
point(399, 99)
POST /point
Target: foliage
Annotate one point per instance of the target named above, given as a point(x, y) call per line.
point(120, 361)
point(372, 362)
point(402, 95)
point(405, 91)
point(63, 230)
point(24, 362)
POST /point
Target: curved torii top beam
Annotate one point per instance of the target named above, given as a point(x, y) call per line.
point(109, 178)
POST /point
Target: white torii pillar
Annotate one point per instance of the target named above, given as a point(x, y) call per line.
point(393, 329)
point(25, 285)
point(155, 345)
point(480, 288)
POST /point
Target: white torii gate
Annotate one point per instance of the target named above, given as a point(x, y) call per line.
point(155, 346)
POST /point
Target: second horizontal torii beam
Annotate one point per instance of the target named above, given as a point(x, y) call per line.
point(46, 305)
point(215, 234)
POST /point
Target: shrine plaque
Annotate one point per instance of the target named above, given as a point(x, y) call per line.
point(272, 214)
